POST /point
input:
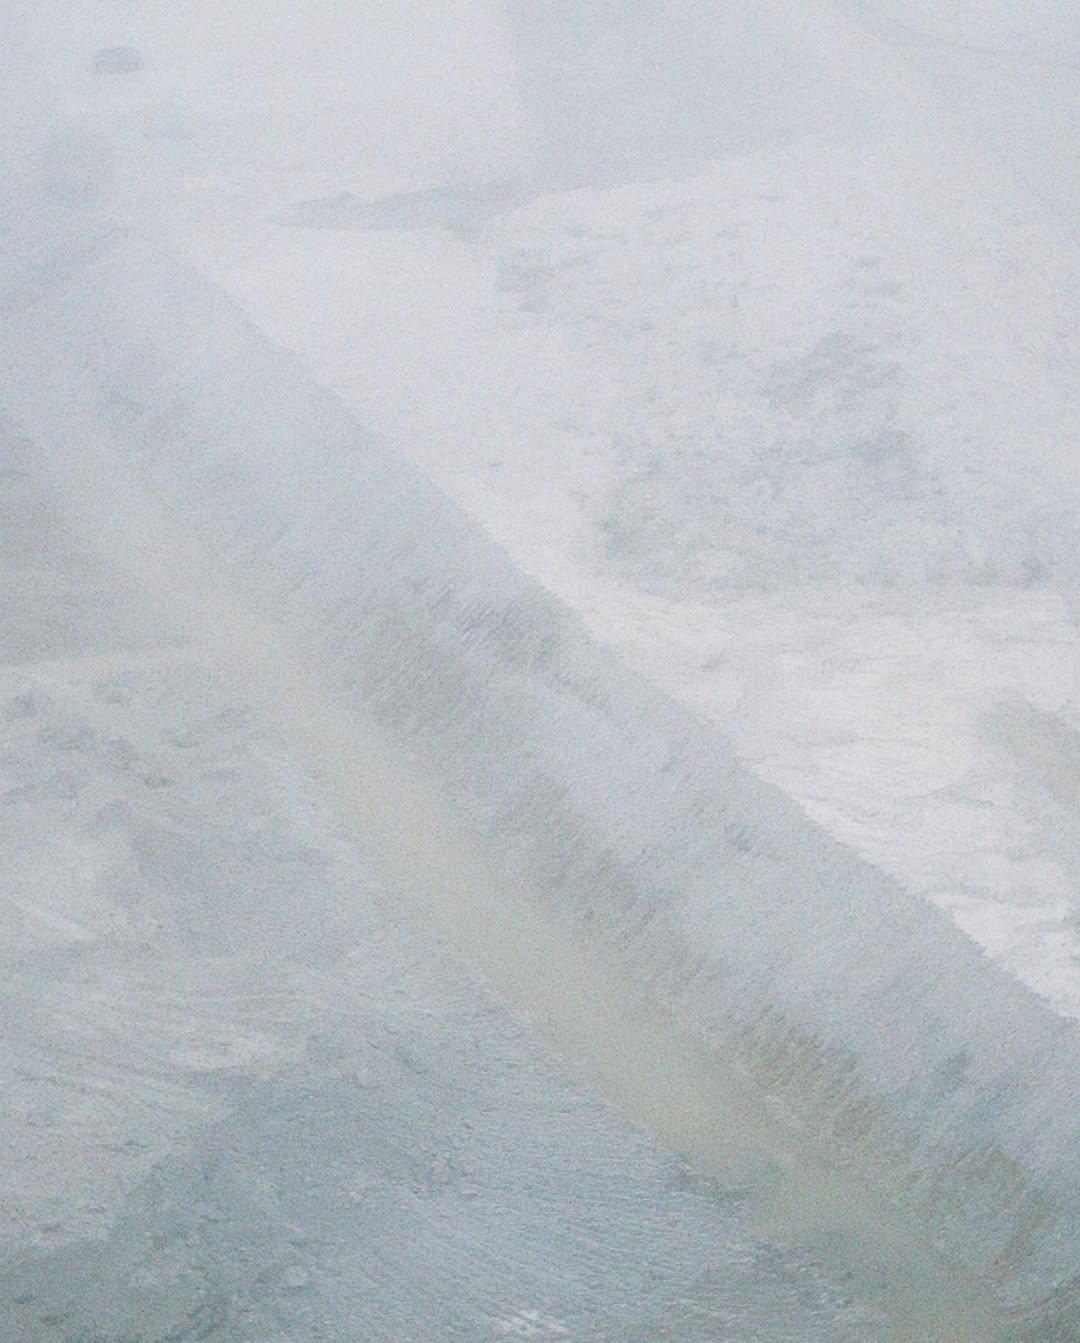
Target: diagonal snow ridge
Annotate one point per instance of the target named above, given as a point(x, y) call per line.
point(819, 371)
point(867, 303)
point(717, 911)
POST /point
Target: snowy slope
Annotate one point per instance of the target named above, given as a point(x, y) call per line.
point(822, 369)
point(244, 1095)
point(768, 428)
point(854, 1020)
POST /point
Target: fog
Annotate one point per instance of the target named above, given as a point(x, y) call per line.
point(538, 701)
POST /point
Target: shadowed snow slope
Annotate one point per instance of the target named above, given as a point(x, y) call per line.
point(861, 1011)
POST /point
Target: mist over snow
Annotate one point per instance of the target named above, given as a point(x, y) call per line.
point(539, 720)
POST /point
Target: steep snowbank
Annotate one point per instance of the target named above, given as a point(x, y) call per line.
point(862, 1011)
point(793, 435)
point(245, 1093)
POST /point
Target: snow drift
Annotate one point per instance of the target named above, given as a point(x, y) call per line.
point(863, 1015)
point(861, 1011)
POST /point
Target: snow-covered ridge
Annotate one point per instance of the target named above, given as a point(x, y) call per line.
point(771, 432)
point(794, 435)
point(862, 1010)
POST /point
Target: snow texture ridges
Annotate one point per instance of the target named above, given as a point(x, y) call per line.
point(863, 1010)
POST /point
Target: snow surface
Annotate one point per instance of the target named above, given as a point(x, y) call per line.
point(243, 1097)
point(770, 427)
point(775, 390)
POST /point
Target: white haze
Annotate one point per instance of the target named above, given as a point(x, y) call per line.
point(539, 726)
